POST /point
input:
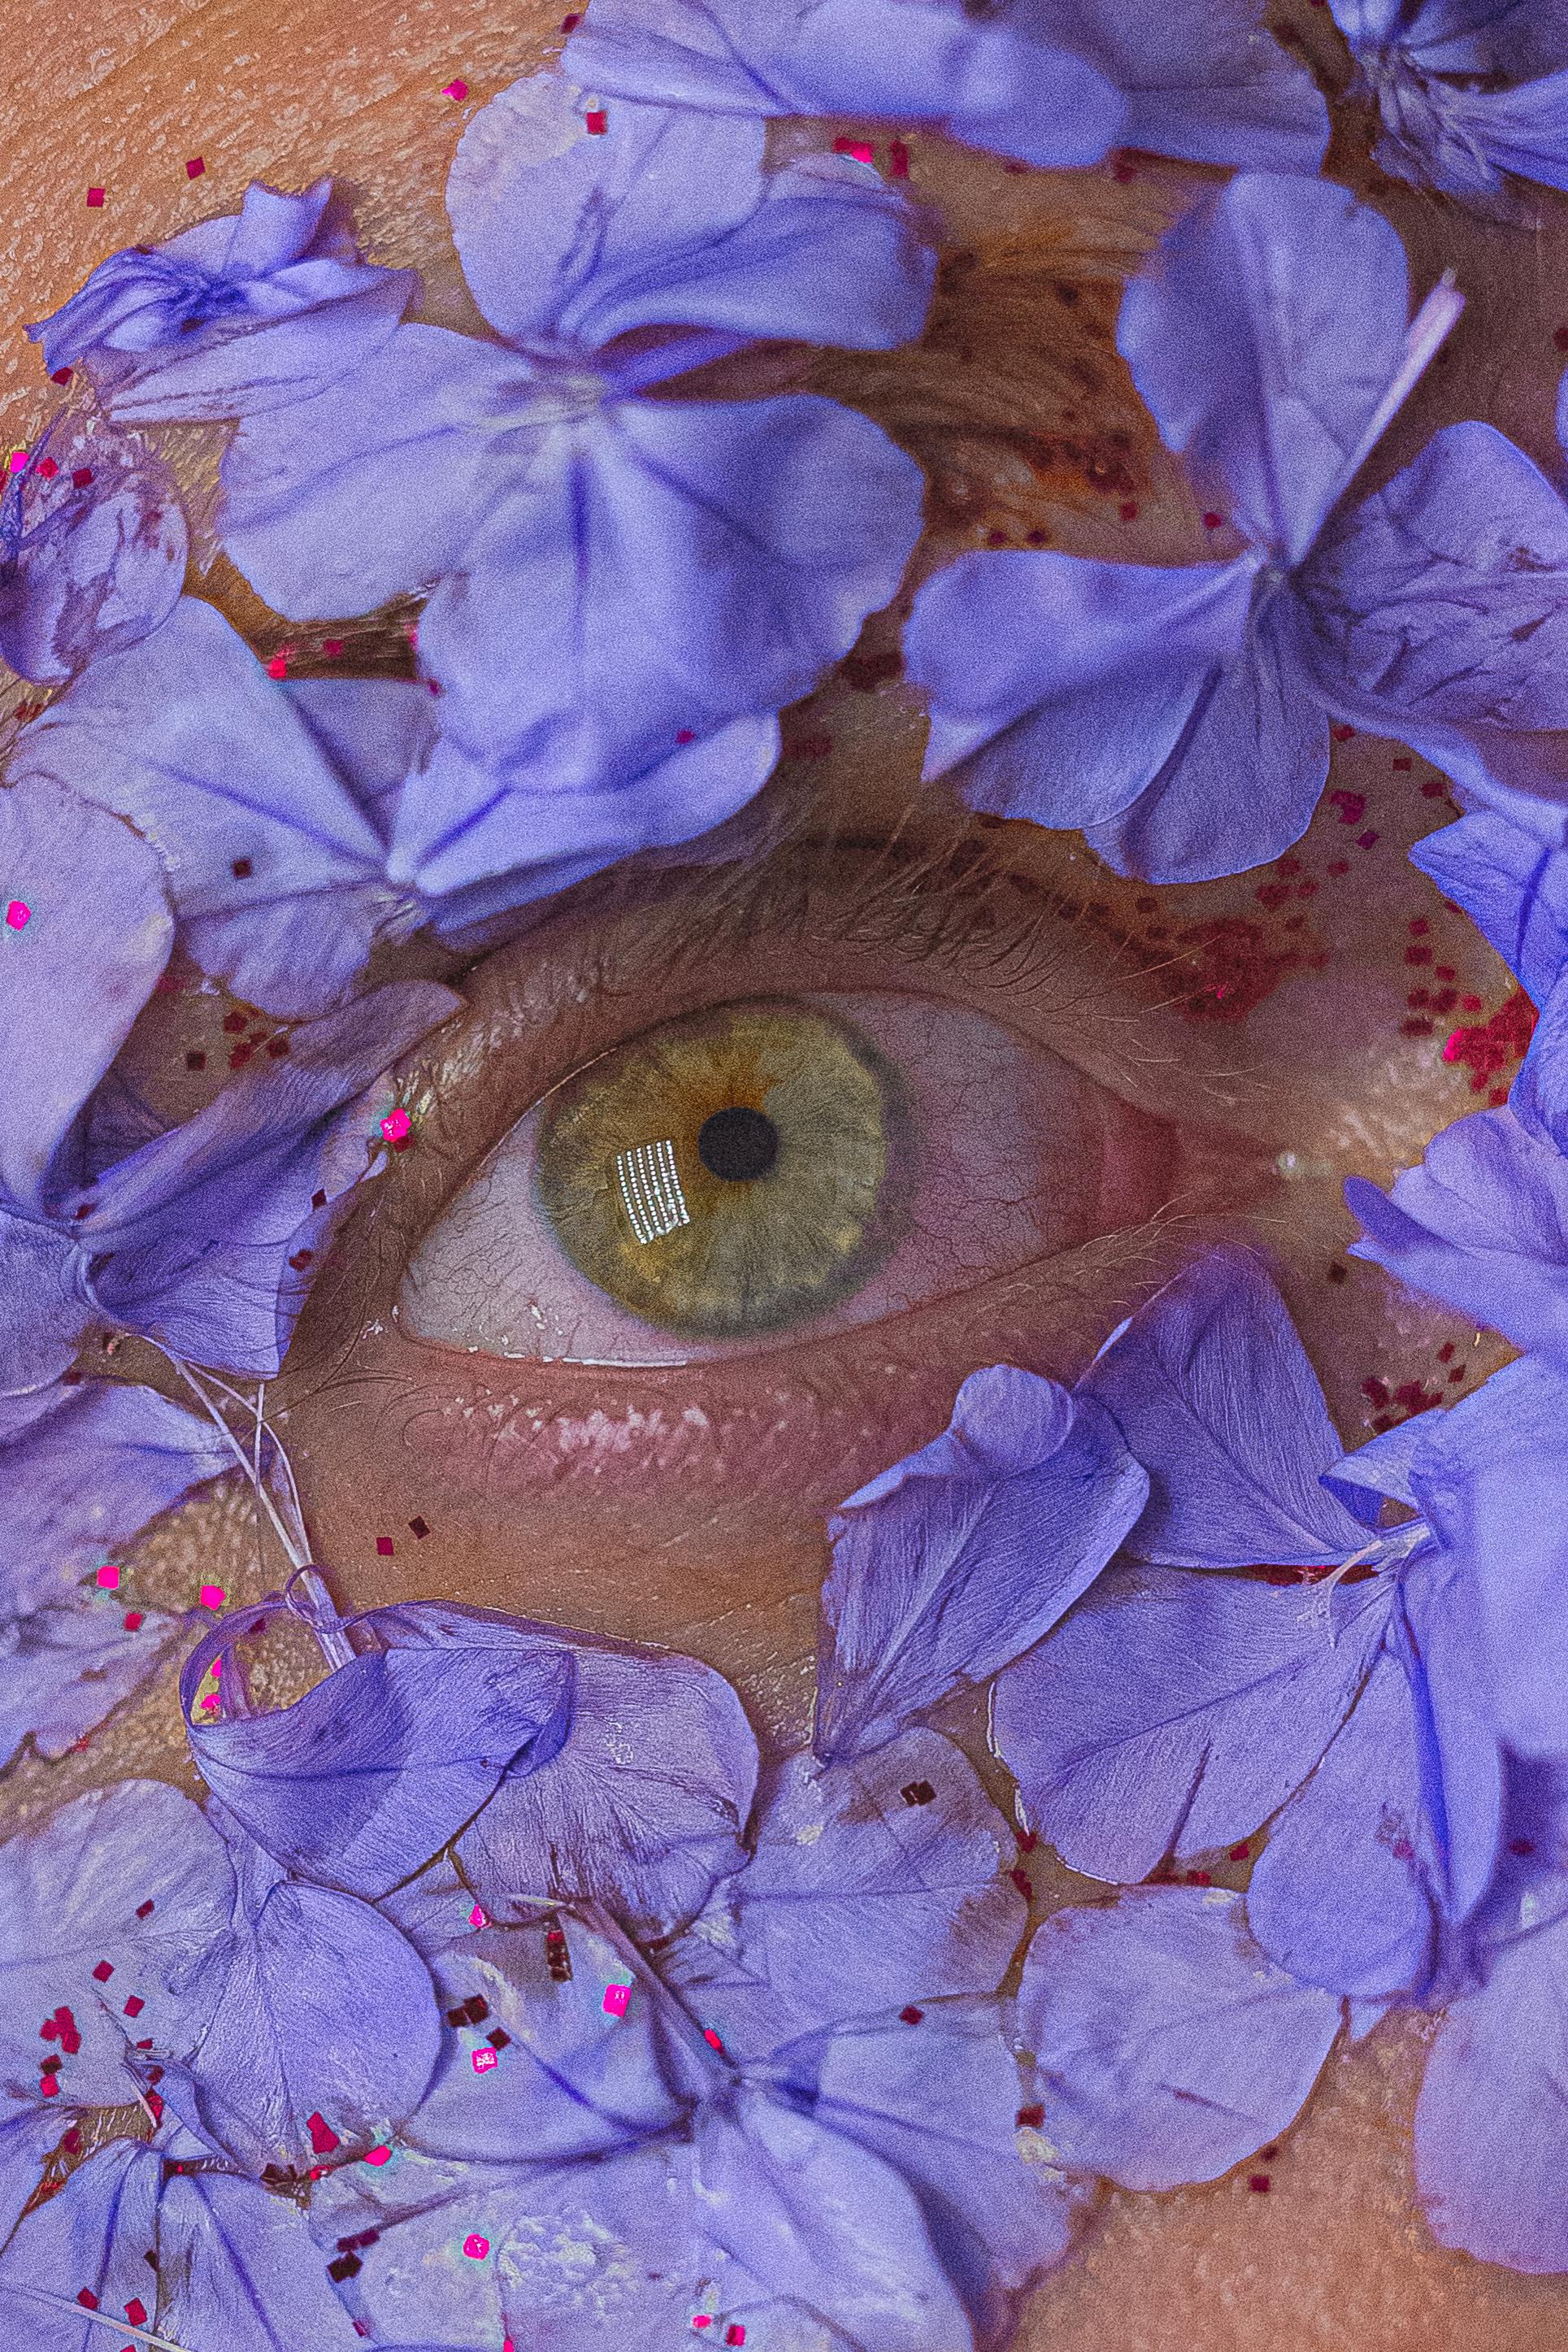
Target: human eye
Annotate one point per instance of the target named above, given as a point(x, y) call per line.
point(768, 1169)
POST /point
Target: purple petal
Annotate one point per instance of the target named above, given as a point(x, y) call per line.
point(981, 80)
point(1489, 2125)
point(668, 567)
point(939, 2102)
point(1213, 1392)
point(1513, 888)
point(73, 983)
point(93, 2238)
point(564, 2074)
point(236, 2267)
point(94, 552)
point(1482, 1224)
point(372, 488)
point(1168, 2046)
point(130, 1881)
point(668, 219)
point(197, 1237)
point(64, 1669)
point(373, 733)
point(45, 1309)
point(90, 1468)
point(361, 1782)
point(319, 2008)
point(1202, 79)
point(1488, 1476)
point(1442, 604)
point(817, 2219)
point(187, 738)
point(1344, 1894)
point(1444, 1646)
point(641, 1809)
point(247, 313)
point(874, 1882)
point(1265, 335)
point(1174, 1713)
point(966, 1553)
point(1029, 660)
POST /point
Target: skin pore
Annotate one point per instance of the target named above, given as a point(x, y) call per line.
point(1248, 1043)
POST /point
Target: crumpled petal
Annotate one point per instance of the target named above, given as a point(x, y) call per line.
point(939, 2102)
point(1441, 602)
point(668, 219)
point(118, 1897)
point(874, 1883)
point(965, 1553)
point(642, 1806)
point(92, 554)
point(1174, 1713)
point(1488, 1477)
point(1345, 1893)
point(1213, 1392)
point(666, 567)
point(983, 80)
point(1513, 887)
point(70, 983)
point(185, 737)
point(819, 2219)
point(363, 1780)
point(320, 2013)
point(1265, 335)
point(65, 1667)
point(197, 1238)
point(1167, 2045)
point(373, 487)
point(562, 2076)
point(1202, 79)
point(1481, 1223)
point(253, 310)
point(1490, 2167)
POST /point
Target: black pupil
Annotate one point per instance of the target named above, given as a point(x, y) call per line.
point(738, 1143)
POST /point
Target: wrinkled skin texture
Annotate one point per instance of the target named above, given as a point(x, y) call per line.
point(724, 1558)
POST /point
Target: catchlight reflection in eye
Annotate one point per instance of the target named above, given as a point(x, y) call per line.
point(764, 1171)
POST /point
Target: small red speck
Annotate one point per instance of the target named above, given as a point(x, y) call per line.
point(1458, 1373)
point(72, 2142)
point(318, 1200)
point(911, 2016)
point(1199, 1878)
point(417, 1527)
point(1257, 2182)
point(597, 120)
point(301, 1259)
point(995, 539)
point(1240, 1852)
point(1404, 765)
point(233, 1022)
point(277, 667)
point(1522, 1845)
point(240, 868)
point(1417, 955)
point(1419, 927)
point(384, 1547)
point(455, 90)
point(734, 2333)
point(1401, 1850)
point(82, 476)
point(1432, 790)
point(1338, 866)
point(1376, 1392)
point(136, 2312)
point(49, 2088)
point(323, 2138)
point(1341, 734)
point(62, 375)
point(1561, 339)
point(712, 2039)
point(1026, 1840)
point(1470, 1004)
point(145, 1910)
point(194, 167)
point(1446, 1352)
point(1022, 1881)
point(686, 735)
point(48, 467)
point(88, 2300)
point(196, 1061)
point(132, 1620)
point(1128, 510)
point(240, 1056)
point(1365, 840)
point(1338, 1274)
point(17, 914)
point(1211, 521)
point(1121, 172)
point(898, 160)
point(331, 647)
point(104, 1971)
point(278, 1048)
point(95, 198)
point(134, 2006)
point(1443, 971)
point(570, 24)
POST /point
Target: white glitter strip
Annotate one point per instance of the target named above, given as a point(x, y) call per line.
point(651, 1190)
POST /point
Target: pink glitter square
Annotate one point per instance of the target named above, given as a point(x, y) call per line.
point(108, 1578)
point(457, 91)
point(194, 168)
point(211, 1596)
point(18, 915)
point(483, 2060)
point(616, 1998)
point(95, 198)
point(475, 2247)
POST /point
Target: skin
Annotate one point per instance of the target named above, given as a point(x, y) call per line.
point(1235, 1116)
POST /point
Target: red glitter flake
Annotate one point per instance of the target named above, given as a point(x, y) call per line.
point(911, 2016)
point(1352, 807)
point(134, 2006)
point(1443, 971)
point(1446, 1352)
point(323, 2138)
point(570, 24)
point(860, 149)
point(686, 735)
point(418, 1527)
point(1365, 840)
point(1415, 1398)
point(95, 198)
point(1404, 765)
point(331, 647)
point(1560, 339)
point(277, 667)
point(1212, 521)
point(734, 2333)
point(898, 160)
point(318, 1200)
point(1338, 865)
point(277, 1047)
point(1029, 2118)
point(1457, 1374)
point(1487, 1046)
point(1128, 510)
point(1258, 2183)
point(104, 1971)
point(1339, 1274)
point(1418, 1027)
point(384, 1547)
point(1341, 734)
point(240, 1056)
point(1522, 1845)
point(1199, 1878)
point(136, 2312)
point(233, 1022)
point(455, 90)
point(1376, 1392)
point(597, 120)
point(1240, 1852)
point(48, 467)
point(86, 2297)
point(1419, 927)
point(240, 868)
point(81, 477)
point(62, 375)
point(1024, 1885)
point(301, 1259)
point(1026, 1840)
point(713, 2040)
point(194, 167)
point(196, 1061)
point(72, 2141)
point(49, 2088)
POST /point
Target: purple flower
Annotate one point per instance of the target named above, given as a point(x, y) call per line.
point(1181, 717)
point(92, 549)
point(1167, 2046)
point(1468, 95)
point(81, 1468)
point(1173, 1712)
point(251, 312)
point(1051, 83)
point(627, 586)
point(966, 1553)
point(205, 1239)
